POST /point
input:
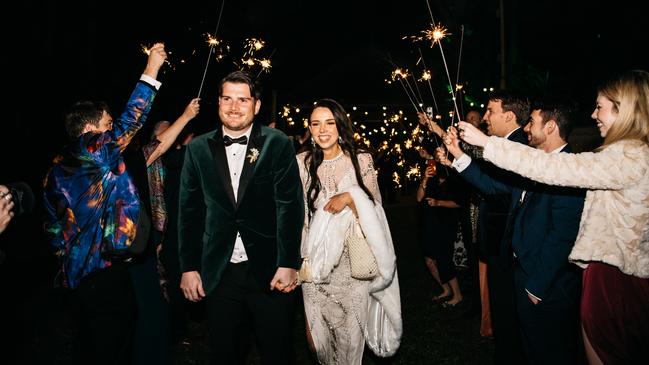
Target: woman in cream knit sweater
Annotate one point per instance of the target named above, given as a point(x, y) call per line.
point(613, 240)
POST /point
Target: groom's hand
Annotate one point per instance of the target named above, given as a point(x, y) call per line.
point(285, 280)
point(192, 286)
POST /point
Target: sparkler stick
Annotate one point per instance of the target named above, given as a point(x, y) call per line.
point(457, 111)
point(398, 73)
point(458, 87)
point(401, 75)
point(430, 86)
point(435, 34)
point(212, 44)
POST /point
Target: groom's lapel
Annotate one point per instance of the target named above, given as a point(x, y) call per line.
point(218, 151)
point(256, 142)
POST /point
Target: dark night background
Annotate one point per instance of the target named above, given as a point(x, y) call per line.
point(54, 53)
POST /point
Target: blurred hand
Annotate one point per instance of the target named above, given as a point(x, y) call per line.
point(192, 109)
point(6, 206)
point(534, 300)
point(430, 171)
point(440, 155)
point(423, 153)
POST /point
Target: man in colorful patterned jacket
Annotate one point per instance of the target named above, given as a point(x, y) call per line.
point(93, 214)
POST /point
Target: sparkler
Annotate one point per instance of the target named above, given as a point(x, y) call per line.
point(265, 63)
point(427, 76)
point(147, 51)
point(435, 35)
point(212, 44)
point(401, 75)
point(458, 86)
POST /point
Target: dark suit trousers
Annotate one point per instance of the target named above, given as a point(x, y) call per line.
point(507, 338)
point(238, 303)
point(550, 329)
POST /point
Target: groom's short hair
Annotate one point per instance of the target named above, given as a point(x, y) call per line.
point(242, 77)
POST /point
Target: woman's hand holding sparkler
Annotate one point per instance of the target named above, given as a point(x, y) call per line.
point(472, 135)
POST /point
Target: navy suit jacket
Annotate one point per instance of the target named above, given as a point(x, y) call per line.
point(493, 208)
point(543, 229)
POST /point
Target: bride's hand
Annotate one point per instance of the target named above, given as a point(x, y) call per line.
point(338, 202)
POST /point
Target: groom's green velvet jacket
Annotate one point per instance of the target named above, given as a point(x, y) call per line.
point(268, 211)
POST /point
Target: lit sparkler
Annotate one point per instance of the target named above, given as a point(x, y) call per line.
point(209, 54)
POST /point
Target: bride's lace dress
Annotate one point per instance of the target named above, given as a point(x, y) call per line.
point(336, 311)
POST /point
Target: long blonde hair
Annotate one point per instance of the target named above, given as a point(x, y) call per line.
point(630, 96)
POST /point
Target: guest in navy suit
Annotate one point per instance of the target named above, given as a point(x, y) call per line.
point(504, 116)
point(540, 233)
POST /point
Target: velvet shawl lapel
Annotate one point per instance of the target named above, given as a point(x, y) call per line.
point(255, 142)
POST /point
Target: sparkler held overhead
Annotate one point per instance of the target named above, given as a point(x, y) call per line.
point(212, 41)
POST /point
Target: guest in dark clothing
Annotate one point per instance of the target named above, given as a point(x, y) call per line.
point(540, 233)
point(441, 197)
point(179, 307)
point(152, 329)
point(504, 116)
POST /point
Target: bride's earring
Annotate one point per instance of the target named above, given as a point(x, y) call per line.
point(312, 142)
point(340, 140)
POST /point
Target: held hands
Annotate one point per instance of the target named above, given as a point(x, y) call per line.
point(472, 135)
point(157, 57)
point(192, 286)
point(285, 280)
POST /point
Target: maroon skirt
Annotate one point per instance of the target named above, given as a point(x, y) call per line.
point(615, 314)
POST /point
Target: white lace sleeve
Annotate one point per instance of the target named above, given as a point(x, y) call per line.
point(304, 177)
point(368, 174)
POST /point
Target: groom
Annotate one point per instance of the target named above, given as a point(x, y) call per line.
point(240, 220)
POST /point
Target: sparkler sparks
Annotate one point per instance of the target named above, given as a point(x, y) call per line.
point(252, 45)
point(147, 51)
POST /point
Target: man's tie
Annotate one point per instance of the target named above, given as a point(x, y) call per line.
point(227, 140)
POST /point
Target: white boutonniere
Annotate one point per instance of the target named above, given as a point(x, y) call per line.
point(254, 153)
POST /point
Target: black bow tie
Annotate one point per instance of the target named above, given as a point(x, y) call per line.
point(227, 140)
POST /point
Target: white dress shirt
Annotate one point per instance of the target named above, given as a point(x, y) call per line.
point(236, 154)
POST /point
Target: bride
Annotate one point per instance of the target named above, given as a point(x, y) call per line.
point(340, 187)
